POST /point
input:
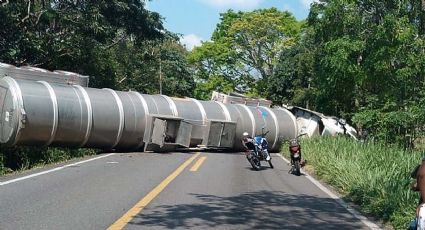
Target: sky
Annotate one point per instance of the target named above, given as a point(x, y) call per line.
point(195, 20)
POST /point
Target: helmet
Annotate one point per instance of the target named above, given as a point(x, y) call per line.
point(293, 143)
point(245, 134)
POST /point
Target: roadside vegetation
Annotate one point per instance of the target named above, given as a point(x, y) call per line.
point(23, 158)
point(374, 176)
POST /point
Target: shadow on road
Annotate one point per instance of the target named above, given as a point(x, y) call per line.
point(252, 210)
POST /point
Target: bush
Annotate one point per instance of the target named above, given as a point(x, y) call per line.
point(22, 158)
point(373, 176)
point(1, 165)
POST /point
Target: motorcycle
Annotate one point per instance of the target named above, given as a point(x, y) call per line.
point(263, 148)
point(258, 151)
point(297, 162)
point(253, 159)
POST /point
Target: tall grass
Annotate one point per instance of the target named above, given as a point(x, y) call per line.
point(373, 176)
point(2, 169)
point(22, 158)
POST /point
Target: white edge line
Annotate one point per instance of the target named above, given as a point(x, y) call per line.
point(356, 214)
point(52, 170)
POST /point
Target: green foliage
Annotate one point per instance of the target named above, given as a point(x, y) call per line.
point(290, 83)
point(49, 33)
point(214, 83)
point(373, 176)
point(245, 48)
point(140, 67)
point(118, 43)
point(367, 64)
point(22, 158)
point(2, 168)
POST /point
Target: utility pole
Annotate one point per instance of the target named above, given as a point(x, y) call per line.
point(160, 75)
point(308, 91)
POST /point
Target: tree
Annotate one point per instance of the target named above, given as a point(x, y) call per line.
point(73, 35)
point(369, 64)
point(291, 82)
point(156, 66)
point(245, 47)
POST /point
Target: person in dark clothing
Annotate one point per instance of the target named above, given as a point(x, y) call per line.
point(248, 142)
point(419, 174)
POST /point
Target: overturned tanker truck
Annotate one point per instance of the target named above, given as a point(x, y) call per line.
point(40, 112)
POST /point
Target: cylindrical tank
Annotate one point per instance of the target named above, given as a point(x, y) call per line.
point(135, 110)
point(107, 119)
point(42, 113)
point(38, 74)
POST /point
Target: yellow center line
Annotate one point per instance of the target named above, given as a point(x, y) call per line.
point(130, 214)
point(198, 164)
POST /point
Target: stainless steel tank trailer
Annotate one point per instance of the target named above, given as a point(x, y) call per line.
point(309, 122)
point(59, 113)
point(34, 73)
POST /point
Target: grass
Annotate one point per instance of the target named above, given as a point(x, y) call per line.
point(23, 158)
point(374, 176)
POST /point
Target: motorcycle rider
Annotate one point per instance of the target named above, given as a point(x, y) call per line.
point(248, 143)
point(294, 146)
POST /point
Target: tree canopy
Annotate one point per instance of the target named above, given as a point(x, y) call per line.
point(118, 43)
point(369, 63)
point(244, 49)
point(360, 60)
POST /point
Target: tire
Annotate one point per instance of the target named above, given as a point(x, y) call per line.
point(255, 162)
point(270, 163)
point(250, 161)
point(297, 168)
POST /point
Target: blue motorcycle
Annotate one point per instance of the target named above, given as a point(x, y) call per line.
point(258, 151)
point(263, 148)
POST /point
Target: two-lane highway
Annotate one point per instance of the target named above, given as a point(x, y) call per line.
point(169, 191)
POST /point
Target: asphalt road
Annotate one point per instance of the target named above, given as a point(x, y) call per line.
point(169, 191)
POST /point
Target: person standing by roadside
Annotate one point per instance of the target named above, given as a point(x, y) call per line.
point(419, 186)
